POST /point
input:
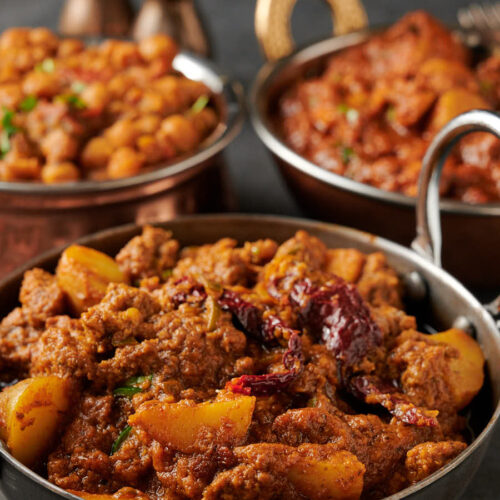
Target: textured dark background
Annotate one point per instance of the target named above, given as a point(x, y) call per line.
point(257, 185)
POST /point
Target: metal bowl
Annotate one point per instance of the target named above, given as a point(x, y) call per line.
point(36, 217)
point(446, 303)
point(471, 233)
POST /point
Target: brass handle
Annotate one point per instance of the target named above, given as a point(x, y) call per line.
point(272, 23)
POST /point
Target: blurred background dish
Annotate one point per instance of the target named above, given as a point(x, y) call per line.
point(287, 122)
point(35, 216)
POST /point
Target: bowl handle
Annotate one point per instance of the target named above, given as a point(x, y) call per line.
point(428, 240)
point(272, 23)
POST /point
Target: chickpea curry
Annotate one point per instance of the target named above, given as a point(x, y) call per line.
point(222, 371)
point(70, 111)
point(373, 109)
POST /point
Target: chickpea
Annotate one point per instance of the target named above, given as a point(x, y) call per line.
point(205, 121)
point(54, 173)
point(96, 95)
point(124, 162)
point(119, 85)
point(158, 46)
point(133, 95)
point(151, 102)
point(23, 59)
point(125, 54)
point(58, 145)
point(44, 37)
point(10, 95)
point(181, 132)
point(41, 84)
point(9, 72)
point(166, 145)
point(69, 46)
point(176, 96)
point(121, 133)
point(96, 153)
point(150, 148)
point(14, 37)
point(147, 124)
point(21, 168)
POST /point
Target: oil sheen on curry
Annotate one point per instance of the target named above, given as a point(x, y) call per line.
point(283, 371)
point(373, 110)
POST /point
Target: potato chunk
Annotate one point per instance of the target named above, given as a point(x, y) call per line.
point(452, 103)
point(84, 274)
point(467, 370)
point(346, 262)
point(338, 477)
point(182, 425)
point(123, 494)
point(30, 413)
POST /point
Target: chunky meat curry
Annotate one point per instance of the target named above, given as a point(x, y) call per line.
point(222, 371)
point(70, 111)
point(371, 113)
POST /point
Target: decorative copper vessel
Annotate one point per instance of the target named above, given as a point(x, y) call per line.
point(471, 233)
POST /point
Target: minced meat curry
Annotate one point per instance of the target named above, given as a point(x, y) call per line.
point(222, 371)
point(372, 112)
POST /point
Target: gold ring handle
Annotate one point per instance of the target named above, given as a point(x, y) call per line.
point(272, 23)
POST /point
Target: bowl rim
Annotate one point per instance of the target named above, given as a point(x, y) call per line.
point(196, 67)
point(257, 104)
point(362, 237)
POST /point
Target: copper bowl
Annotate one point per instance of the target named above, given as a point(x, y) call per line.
point(36, 217)
point(471, 233)
point(445, 303)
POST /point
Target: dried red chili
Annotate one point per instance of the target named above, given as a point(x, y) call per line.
point(337, 313)
point(263, 329)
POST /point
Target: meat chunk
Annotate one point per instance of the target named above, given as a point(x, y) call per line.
point(17, 337)
point(149, 254)
point(41, 296)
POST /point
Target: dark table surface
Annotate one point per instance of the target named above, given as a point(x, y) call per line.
point(257, 185)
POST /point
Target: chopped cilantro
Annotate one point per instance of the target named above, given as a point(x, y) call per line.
point(46, 66)
point(28, 103)
point(199, 104)
point(347, 154)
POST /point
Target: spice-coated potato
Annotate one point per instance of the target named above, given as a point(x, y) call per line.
point(340, 477)
point(30, 413)
point(84, 274)
point(180, 425)
point(467, 369)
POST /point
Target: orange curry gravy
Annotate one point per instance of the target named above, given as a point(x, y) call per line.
point(372, 112)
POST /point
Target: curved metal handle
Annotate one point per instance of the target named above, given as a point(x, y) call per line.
point(428, 241)
point(272, 23)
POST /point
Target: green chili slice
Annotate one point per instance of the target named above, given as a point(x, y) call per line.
point(119, 440)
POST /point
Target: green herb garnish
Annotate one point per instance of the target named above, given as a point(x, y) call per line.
point(28, 103)
point(199, 104)
point(119, 440)
point(78, 86)
point(46, 66)
point(347, 154)
point(126, 391)
point(166, 273)
point(351, 114)
point(73, 100)
point(132, 385)
point(343, 107)
point(9, 129)
point(390, 114)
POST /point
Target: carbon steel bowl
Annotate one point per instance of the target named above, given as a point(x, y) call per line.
point(471, 233)
point(35, 217)
point(446, 302)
